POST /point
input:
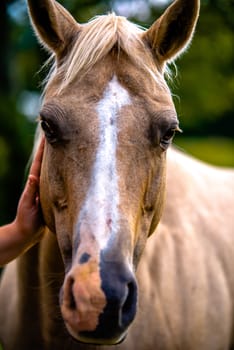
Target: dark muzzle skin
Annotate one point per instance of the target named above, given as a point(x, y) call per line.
point(99, 299)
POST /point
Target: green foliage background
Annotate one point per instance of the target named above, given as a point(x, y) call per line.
point(203, 88)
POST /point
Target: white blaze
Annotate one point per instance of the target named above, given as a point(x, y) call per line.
point(101, 204)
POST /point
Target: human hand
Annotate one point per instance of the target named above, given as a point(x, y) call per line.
point(29, 221)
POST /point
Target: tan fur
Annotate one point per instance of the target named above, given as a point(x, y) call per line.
point(184, 273)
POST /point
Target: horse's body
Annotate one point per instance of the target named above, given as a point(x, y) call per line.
point(102, 189)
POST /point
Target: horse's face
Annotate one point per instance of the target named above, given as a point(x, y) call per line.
point(102, 187)
point(103, 180)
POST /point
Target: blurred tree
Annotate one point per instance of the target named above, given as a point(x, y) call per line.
point(206, 79)
point(4, 48)
point(14, 128)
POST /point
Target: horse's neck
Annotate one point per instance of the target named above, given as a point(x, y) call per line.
point(34, 271)
point(51, 278)
point(29, 294)
point(181, 175)
point(193, 188)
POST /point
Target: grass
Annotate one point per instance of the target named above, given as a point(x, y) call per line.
point(213, 150)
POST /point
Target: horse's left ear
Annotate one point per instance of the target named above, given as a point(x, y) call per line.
point(172, 32)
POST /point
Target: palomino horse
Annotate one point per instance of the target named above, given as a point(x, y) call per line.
point(108, 119)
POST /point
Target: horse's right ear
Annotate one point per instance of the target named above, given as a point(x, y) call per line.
point(54, 26)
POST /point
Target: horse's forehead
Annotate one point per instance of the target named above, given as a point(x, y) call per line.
point(135, 78)
point(114, 98)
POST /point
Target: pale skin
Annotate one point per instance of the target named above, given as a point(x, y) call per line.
point(27, 227)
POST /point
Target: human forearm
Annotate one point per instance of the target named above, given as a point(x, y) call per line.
point(12, 243)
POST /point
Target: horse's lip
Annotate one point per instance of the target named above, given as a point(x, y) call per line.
point(89, 341)
point(98, 344)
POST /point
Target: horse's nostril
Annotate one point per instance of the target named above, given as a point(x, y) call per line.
point(129, 305)
point(70, 293)
point(128, 302)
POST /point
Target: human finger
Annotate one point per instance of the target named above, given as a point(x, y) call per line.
point(36, 163)
point(30, 193)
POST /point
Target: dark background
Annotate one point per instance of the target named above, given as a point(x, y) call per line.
point(203, 86)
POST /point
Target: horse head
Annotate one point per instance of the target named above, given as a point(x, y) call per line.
point(108, 119)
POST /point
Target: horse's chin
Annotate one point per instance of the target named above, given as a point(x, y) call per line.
point(86, 338)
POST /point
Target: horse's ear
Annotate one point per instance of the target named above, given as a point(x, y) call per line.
point(54, 26)
point(172, 32)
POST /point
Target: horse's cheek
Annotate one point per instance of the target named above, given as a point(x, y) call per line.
point(45, 203)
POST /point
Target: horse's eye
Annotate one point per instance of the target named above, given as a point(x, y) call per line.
point(49, 131)
point(168, 136)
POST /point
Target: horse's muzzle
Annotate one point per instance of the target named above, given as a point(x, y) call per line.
point(99, 301)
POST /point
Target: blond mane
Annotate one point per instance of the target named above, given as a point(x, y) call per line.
point(95, 40)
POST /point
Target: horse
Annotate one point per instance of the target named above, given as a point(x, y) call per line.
point(138, 248)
